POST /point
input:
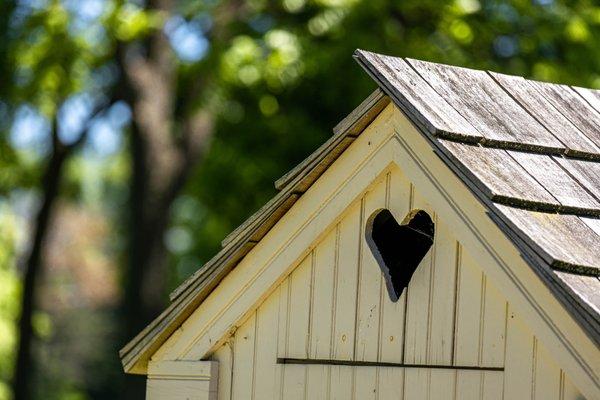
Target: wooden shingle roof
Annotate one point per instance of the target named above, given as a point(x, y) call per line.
point(529, 151)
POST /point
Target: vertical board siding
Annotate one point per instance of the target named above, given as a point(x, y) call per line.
point(468, 311)
point(443, 292)
point(225, 357)
point(335, 305)
point(347, 284)
point(370, 285)
point(244, 352)
point(370, 288)
point(418, 300)
point(547, 375)
point(265, 379)
point(493, 326)
point(520, 358)
point(322, 301)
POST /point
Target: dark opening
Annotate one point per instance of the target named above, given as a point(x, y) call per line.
point(399, 248)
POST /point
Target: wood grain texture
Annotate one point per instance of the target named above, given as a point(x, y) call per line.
point(592, 96)
point(586, 287)
point(497, 174)
point(562, 186)
point(586, 173)
point(592, 223)
point(574, 107)
point(477, 97)
point(542, 110)
point(564, 240)
point(415, 96)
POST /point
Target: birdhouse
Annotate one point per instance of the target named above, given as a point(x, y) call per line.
point(444, 243)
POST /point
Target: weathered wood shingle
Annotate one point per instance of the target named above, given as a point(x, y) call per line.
point(477, 97)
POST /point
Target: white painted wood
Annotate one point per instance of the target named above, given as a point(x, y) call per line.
point(468, 311)
point(442, 384)
point(266, 372)
point(369, 287)
point(350, 230)
point(480, 326)
point(183, 368)
point(323, 284)
point(282, 317)
point(518, 376)
point(419, 299)
point(468, 385)
point(416, 383)
point(493, 328)
point(282, 332)
point(294, 384)
point(224, 355)
point(182, 380)
point(365, 383)
point(341, 382)
point(294, 376)
point(243, 354)
point(568, 390)
point(547, 375)
point(493, 383)
point(390, 383)
point(299, 310)
point(443, 293)
point(179, 389)
point(317, 381)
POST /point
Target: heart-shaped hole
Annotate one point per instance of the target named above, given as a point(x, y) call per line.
point(399, 248)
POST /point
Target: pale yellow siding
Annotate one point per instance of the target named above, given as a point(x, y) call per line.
point(334, 306)
point(182, 380)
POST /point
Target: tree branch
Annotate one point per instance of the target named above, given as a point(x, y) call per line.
point(33, 263)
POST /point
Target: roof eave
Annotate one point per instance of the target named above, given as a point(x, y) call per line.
point(188, 296)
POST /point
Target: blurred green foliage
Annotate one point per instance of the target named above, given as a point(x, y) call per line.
point(9, 295)
point(278, 75)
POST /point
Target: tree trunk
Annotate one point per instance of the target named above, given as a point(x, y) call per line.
point(33, 267)
point(163, 151)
